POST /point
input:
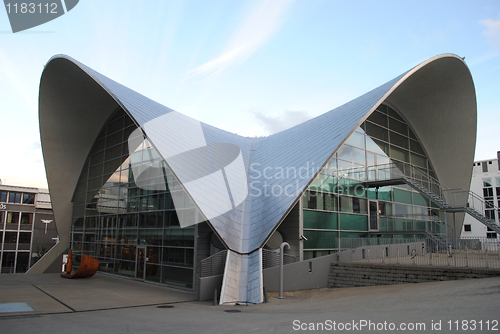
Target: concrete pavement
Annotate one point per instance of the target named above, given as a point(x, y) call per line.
point(106, 304)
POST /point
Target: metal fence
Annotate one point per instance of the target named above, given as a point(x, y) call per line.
point(467, 252)
point(272, 258)
point(214, 265)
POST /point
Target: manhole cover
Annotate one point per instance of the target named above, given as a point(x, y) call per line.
point(232, 311)
point(165, 306)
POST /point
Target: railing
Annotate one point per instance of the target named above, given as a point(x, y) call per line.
point(272, 258)
point(214, 265)
point(466, 252)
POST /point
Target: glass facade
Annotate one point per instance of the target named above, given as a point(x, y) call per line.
point(123, 213)
point(343, 201)
point(16, 229)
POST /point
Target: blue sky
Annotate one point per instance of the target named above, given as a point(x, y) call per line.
point(251, 67)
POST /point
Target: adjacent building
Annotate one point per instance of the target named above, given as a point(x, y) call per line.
point(151, 192)
point(27, 227)
point(486, 183)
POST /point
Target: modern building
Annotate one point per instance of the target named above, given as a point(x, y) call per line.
point(151, 192)
point(27, 227)
point(486, 183)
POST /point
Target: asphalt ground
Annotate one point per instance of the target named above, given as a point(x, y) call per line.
point(47, 303)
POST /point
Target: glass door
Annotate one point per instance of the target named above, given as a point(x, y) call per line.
point(140, 269)
point(374, 216)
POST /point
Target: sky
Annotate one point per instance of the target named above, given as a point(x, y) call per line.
point(253, 67)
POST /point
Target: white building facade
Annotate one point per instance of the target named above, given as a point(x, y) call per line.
point(485, 182)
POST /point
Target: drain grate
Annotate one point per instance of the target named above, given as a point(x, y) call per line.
point(232, 311)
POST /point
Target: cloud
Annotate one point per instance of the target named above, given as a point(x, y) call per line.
point(282, 122)
point(492, 32)
point(260, 25)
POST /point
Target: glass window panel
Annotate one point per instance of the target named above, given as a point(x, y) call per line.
point(398, 140)
point(24, 237)
point(96, 158)
point(378, 118)
point(385, 208)
point(3, 196)
point(399, 154)
point(177, 276)
point(320, 239)
point(394, 113)
point(385, 193)
point(320, 220)
point(402, 210)
point(10, 237)
point(113, 152)
point(398, 127)
point(487, 183)
point(402, 196)
point(330, 202)
point(412, 135)
point(357, 140)
point(12, 217)
point(420, 200)
point(488, 192)
point(415, 147)
point(353, 154)
point(28, 198)
point(114, 139)
point(115, 125)
point(376, 131)
point(353, 222)
point(484, 164)
point(373, 146)
point(382, 108)
point(14, 197)
point(498, 184)
point(26, 218)
point(418, 160)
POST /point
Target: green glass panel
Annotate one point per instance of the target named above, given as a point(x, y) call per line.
point(320, 239)
point(419, 225)
point(399, 224)
point(386, 224)
point(353, 222)
point(385, 193)
point(402, 196)
point(352, 235)
point(320, 220)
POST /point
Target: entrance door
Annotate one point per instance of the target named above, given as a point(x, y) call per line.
point(140, 269)
point(374, 216)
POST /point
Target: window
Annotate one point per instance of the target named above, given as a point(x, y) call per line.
point(14, 197)
point(28, 198)
point(24, 237)
point(485, 166)
point(467, 228)
point(10, 237)
point(12, 217)
point(26, 218)
point(490, 235)
point(3, 196)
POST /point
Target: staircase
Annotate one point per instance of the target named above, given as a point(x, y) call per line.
point(449, 200)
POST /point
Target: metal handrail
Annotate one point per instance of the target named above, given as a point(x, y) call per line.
point(271, 258)
point(214, 265)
